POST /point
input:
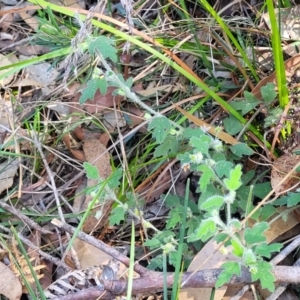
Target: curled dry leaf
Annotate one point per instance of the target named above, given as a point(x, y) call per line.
point(282, 166)
point(10, 285)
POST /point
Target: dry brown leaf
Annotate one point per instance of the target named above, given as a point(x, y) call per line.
point(93, 151)
point(77, 153)
point(7, 173)
point(10, 285)
point(6, 61)
point(290, 66)
point(88, 255)
point(232, 290)
point(96, 105)
point(29, 20)
point(280, 167)
point(280, 226)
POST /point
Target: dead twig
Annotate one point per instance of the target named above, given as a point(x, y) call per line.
point(102, 246)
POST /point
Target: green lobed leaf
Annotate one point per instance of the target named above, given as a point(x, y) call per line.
point(235, 223)
point(250, 102)
point(261, 190)
point(293, 199)
point(91, 88)
point(234, 181)
point(117, 215)
point(105, 46)
point(223, 168)
point(246, 178)
point(268, 93)
point(264, 275)
point(266, 250)
point(201, 144)
point(206, 176)
point(167, 147)
point(241, 149)
point(229, 269)
point(206, 229)
point(267, 211)
point(214, 202)
point(247, 104)
point(184, 158)
point(232, 125)
point(275, 114)
point(220, 237)
point(114, 180)
point(91, 171)
point(189, 132)
point(249, 258)
point(175, 217)
point(153, 243)
point(255, 234)
point(161, 127)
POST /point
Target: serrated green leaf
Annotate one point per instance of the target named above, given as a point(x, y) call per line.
point(267, 211)
point(249, 258)
point(235, 223)
point(161, 127)
point(201, 144)
point(255, 234)
point(167, 147)
point(206, 176)
point(268, 93)
point(214, 202)
point(156, 263)
point(266, 250)
point(117, 215)
point(221, 237)
point(206, 229)
point(175, 217)
point(250, 102)
point(223, 168)
point(293, 199)
point(246, 178)
point(229, 269)
point(218, 156)
point(172, 200)
point(114, 179)
point(189, 132)
point(234, 181)
point(184, 158)
point(264, 275)
point(232, 125)
point(91, 171)
point(241, 149)
point(247, 104)
point(91, 88)
point(105, 46)
point(261, 190)
point(153, 243)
